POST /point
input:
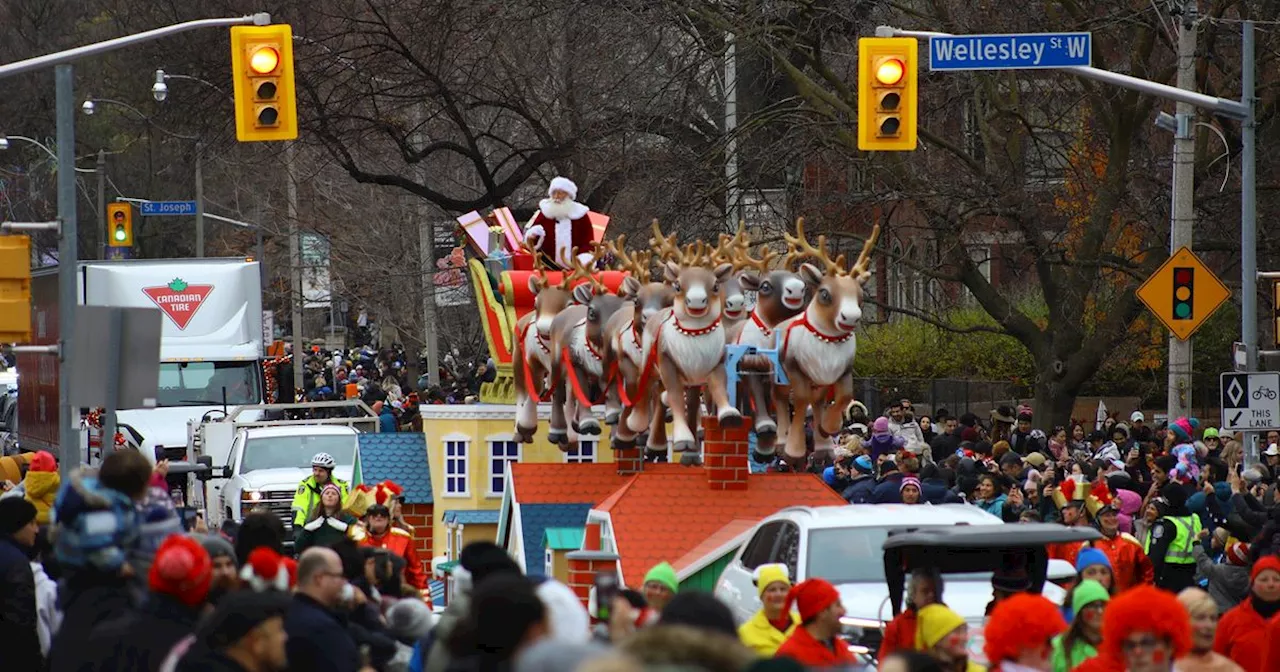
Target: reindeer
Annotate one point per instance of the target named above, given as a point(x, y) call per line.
point(780, 295)
point(533, 345)
point(577, 343)
point(624, 335)
point(816, 347)
point(685, 343)
point(734, 312)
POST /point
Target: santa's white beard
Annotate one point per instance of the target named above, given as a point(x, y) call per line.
point(559, 210)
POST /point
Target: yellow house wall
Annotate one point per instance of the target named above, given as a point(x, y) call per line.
point(559, 566)
point(477, 424)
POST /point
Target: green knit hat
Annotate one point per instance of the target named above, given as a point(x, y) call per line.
point(665, 574)
point(1086, 593)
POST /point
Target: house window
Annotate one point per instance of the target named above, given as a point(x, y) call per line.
point(455, 469)
point(501, 455)
point(457, 539)
point(584, 453)
point(448, 545)
point(549, 564)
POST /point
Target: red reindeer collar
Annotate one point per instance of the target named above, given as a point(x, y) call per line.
point(590, 346)
point(755, 317)
point(542, 341)
point(804, 322)
point(695, 332)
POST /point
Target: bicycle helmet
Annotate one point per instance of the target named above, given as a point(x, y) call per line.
point(323, 460)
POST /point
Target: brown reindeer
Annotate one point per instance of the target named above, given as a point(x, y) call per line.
point(533, 346)
point(780, 295)
point(624, 335)
point(577, 345)
point(684, 344)
point(818, 345)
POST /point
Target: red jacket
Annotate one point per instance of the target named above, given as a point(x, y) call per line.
point(1271, 658)
point(899, 635)
point(804, 649)
point(1129, 563)
point(1242, 636)
point(1067, 550)
point(400, 542)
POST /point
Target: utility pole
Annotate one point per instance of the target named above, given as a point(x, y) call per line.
point(733, 193)
point(1182, 212)
point(101, 168)
point(427, 263)
point(1249, 221)
point(68, 268)
point(295, 266)
point(200, 199)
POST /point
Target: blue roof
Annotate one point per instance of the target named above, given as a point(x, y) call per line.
point(488, 517)
point(534, 521)
point(399, 457)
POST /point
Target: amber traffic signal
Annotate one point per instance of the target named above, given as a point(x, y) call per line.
point(262, 69)
point(119, 225)
point(887, 68)
point(15, 289)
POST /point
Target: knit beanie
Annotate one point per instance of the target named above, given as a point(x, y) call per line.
point(863, 464)
point(15, 514)
point(1238, 554)
point(909, 481)
point(217, 547)
point(568, 619)
point(265, 569)
point(43, 461)
point(1184, 429)
point(934, 622)
point(881, 426)
point(181, 569)
point(1088, 557)
point(767, 575)
point(664, 574)
point(1266, 562)
point(410, 619)
point(1087, 592)
point(811, 597)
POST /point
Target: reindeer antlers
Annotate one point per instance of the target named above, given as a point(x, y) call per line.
point(585, 271)
point(636, 263)
point(798, 247)
point(666, 245)
point(864, 259)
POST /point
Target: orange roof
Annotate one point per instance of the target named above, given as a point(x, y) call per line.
point(564, 483)
point(722, 536)
point(668, 510)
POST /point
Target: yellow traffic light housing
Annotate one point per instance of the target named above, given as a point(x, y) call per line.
point(262, 69)
point(119, 225)
point(15, 289)
point(887, 100)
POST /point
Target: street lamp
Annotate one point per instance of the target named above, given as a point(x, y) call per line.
point(87, 107)
point(160, 90)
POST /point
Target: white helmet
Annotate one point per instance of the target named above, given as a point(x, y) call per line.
point(323, 460)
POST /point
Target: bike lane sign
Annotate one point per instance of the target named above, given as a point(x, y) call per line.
point(1251, 401)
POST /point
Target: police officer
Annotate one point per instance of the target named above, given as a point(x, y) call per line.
point(1172, 537)
point(309, 489)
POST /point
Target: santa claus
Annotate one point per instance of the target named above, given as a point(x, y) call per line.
point(566, 220)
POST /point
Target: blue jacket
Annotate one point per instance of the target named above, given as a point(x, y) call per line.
point(19, 638)
point(860, 491)
point(888, 491)
point(994, 507)
point(318, 638)
point(386, 420)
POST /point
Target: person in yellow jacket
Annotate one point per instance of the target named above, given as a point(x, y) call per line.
point(308, 494)
point(944, 636)
point(40, 485)
point(773, 623)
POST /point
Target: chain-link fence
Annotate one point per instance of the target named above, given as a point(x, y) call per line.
point(929, 395)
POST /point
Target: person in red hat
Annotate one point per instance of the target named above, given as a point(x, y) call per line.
point(1019, 635)
point(1242, 632)
point(1130, 565)
point(815, 643)
point(40, 485)
point(382, 534)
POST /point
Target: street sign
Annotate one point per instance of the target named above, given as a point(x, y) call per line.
point(1027, 51)
point(156, 208)
point(130, 373)
point(1183, 293)
point(1251, 401)
point(1239, 356)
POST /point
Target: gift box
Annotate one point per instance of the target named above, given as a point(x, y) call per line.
point(512, 234)
point(599, 225)
point(476, 230)
point(521, 261)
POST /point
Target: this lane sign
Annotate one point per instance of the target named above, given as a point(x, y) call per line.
point(1010, 52)
point(1251, 401)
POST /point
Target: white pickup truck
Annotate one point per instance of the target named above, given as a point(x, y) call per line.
point(259, 463)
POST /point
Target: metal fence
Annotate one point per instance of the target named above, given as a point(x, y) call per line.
point(928, 395)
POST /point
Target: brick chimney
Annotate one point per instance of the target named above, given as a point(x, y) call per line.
point(591, 537)
point(630, 461)
point(725, 454)
point(583, 566)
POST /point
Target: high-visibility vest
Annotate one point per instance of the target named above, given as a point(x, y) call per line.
point(1186, 529)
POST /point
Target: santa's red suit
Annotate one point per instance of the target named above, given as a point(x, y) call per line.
point(562, 226)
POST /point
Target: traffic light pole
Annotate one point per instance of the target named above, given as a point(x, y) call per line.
point(1242, 110)
point(1182, 209)
point(68, 251)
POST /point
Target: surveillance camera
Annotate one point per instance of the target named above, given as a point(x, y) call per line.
point(160, 91)
point(87, 107)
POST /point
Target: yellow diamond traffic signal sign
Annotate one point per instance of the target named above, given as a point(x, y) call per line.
point(15, 289)
point(1183, 293)
point(887, 84)
point(262, 70)
point(119, 225)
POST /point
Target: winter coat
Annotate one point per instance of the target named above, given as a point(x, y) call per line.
point(323, 531)
point(209, 661)
point(86, 599)
point(41, 488)
point(804, 649)
point(318, 638)
point(50, 619)
point(763, 638)
point(19, 623)
point(860, 491)
point(1228, 584)
point(1129, 564)
point(681, 647)
point(140, 640)
point(1065, 661)
point(386, 420)
point(994, 507)
point(900, 634)
point(888, 491)
point(435, 648)
point(944, 446)
point(1242, 636)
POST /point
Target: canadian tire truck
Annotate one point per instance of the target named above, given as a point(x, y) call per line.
point(211, 350)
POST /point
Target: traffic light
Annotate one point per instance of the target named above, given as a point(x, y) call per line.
point(15, 289)
point(262, 69)
point(1183, 292)
point(887, 68)
point(119, 225)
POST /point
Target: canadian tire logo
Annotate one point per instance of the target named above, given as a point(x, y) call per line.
point(179, 300)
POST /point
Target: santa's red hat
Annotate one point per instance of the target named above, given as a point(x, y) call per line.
point(265, 569)
point(1145, 609)
point(1024, 621)
point(181, 569)
point(811, 597)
